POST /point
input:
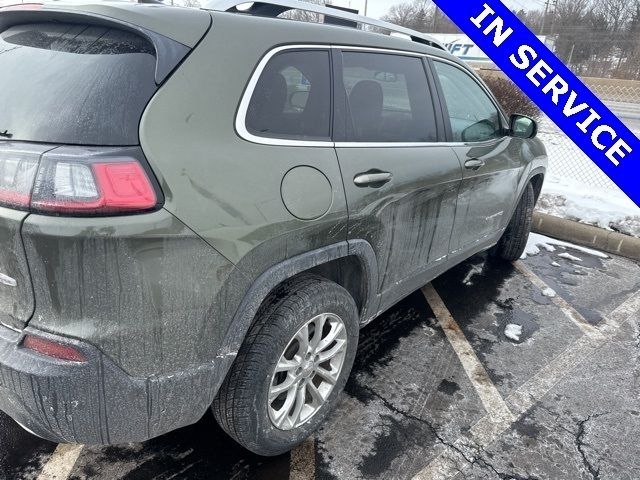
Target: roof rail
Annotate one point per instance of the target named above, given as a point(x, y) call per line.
point(273, 8)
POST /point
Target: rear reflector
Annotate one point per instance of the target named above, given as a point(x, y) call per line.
point(53, 349)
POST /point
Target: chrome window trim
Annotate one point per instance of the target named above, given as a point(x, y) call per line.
point(241, 116)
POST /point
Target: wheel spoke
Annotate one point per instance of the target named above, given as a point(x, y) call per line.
point(285, 365)
point(303, 340)
point(329, 354)
point(288, 384)
point(317, 335)
point(301, 396)
point(283, 413)
point(317, 397)
point(326, 375)
point(331, 336)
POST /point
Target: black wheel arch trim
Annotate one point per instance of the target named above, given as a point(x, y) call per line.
point(274, 276)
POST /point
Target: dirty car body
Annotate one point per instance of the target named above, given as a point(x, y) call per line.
point(160, 212)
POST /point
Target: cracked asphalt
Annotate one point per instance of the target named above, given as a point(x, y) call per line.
point(418, 405)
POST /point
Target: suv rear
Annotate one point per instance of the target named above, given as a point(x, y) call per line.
point(190, 221)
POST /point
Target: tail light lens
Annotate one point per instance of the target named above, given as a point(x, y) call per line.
point(17, 173)
point(116, 186)
point(69, 181)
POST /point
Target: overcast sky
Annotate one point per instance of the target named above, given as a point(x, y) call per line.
point(378, 8)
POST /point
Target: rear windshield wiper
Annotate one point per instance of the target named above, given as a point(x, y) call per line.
point(6, 134)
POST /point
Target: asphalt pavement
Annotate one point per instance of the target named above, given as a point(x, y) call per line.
point(439, 390)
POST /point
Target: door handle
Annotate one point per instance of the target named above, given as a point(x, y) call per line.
point(372, 178)
point(474, 164)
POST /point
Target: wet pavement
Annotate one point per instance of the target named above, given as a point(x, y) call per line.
point(569, 387)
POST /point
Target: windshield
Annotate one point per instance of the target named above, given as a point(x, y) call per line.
point(74, 84)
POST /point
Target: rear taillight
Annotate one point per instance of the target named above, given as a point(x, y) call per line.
point(17, 173)
point(75, 181)
point(101, 187)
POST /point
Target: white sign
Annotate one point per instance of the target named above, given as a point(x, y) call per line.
point(462, 47)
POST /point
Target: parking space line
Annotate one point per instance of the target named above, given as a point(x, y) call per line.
point(303, 461)
point(62, 461)
point(459, 456)
point(570, 312)
point(487, 391)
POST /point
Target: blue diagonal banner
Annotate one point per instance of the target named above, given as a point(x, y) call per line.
point(553, 87)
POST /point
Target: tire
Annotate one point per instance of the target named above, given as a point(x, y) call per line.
point(514, 241)
point(242, 406)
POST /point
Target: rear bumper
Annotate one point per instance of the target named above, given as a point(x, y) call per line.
point(96, 403)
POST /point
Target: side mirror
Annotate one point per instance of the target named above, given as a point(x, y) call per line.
point(479, 132)
point(522, 127)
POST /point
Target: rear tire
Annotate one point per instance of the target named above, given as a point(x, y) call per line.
point(248, 406)
point(514, 241)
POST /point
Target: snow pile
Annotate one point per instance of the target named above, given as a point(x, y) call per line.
point(537, 241)
point(568, 256)
point(513, 332)
point(602, 207)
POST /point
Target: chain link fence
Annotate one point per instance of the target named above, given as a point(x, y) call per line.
point(566, 160)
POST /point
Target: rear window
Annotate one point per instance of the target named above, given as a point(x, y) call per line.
point(74, 84)
point(292, 99)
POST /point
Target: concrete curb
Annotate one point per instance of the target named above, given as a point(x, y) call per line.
point(587, 235)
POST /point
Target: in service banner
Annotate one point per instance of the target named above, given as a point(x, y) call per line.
point(553, 87)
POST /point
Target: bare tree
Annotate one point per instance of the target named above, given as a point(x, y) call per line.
point(302, 16)
point(420, 15)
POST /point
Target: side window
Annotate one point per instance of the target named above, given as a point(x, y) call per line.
point(474, 117)
point(388, 98)
point(292, 99)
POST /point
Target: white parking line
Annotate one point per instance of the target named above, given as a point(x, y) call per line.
point(489, 395)
point(456, 458)
point(571, 313)
point(61, 462)
point(303, 461)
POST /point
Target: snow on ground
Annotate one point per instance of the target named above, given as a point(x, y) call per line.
point(568, 256)
point(549, 292)
point(575, 188)
point(603, 207)
point(513, 332)
point(537, 241)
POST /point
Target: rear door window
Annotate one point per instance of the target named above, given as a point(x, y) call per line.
point(389, 99)
point(292, 99)
point(74, 84)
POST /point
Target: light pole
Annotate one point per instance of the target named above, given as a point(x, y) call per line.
point(366, 7)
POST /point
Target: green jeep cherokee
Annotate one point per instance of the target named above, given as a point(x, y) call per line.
point(201, 207)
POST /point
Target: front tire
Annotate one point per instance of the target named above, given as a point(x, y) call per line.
point(292, 367)
point(514, 241)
